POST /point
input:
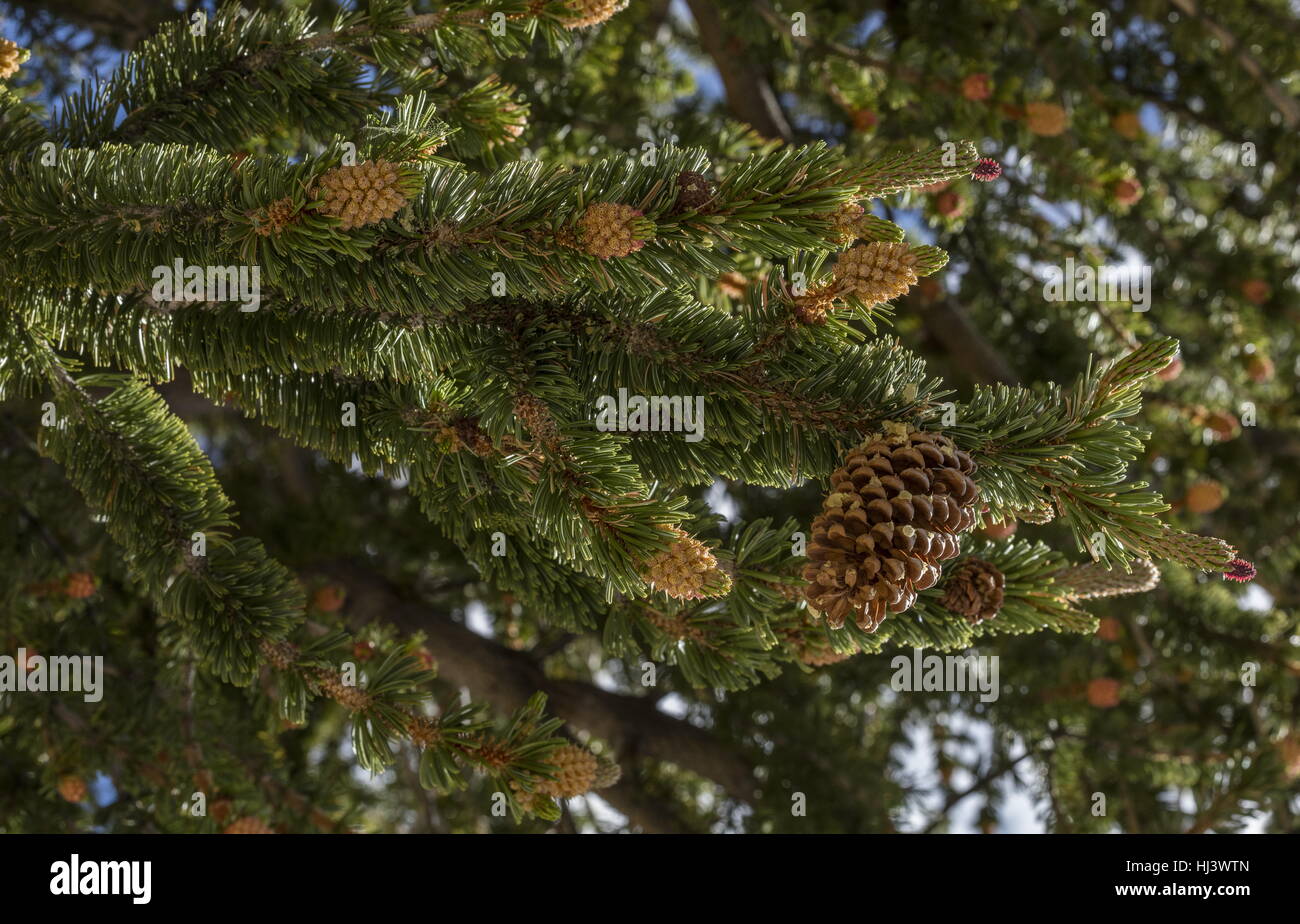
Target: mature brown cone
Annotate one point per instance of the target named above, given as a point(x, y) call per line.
point(248, 825)
point(328, 599)
point(72, 788)
point(79, 585)
point(864, 120)
point(896, 507)
point(999, 530)
point(1260, 368)
point(362, 194)
point(1223, 425)
point(1289, 747)
point(694, 191)
point(575, 773)
point(1046, 119)
point(1109, 629)
point(686, 570)
point(949, 204)
point(976, 87)
point(1205, 496)
point(1256, 290)
point(733, 285)
point(10, 58)
point(975, 590)
point(515, 118)
point(1104, 692)
point(221, 810)
point(1127, 125)
point(1126, 191)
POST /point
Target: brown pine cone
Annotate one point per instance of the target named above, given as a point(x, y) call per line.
point(72, 788)
point(467, 433)
point(1289, 748)
point(1205, 496)
point(733, 285)
point(974, 590)
point(362, 194)
point(894, 512)
point(1104, 692)
point(1127, 125)
point(220, 810)
point(1047, 119)
point(328, 599)
point(79, 586)
point(694, 191)
point(516, 121)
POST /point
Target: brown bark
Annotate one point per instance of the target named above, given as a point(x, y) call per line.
point(966, 348)
point(122, 23)
point(1285, 104)
point(749, 93)
point(641, 810)
point(505, 678)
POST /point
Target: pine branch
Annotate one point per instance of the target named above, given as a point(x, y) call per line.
point(191, 88)
point(138, 466)
point(388, 709)
point(633, 726)
point(524, 222)
point(1042, 451)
